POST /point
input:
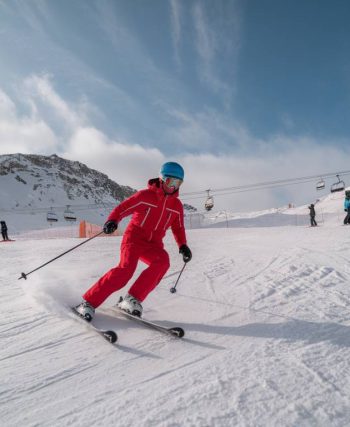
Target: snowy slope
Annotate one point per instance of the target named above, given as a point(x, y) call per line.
point(267, 319)
point(329, 209)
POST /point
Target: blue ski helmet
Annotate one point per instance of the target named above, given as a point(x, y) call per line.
point(173, 170)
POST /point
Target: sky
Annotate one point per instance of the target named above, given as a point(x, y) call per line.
point(238, 92)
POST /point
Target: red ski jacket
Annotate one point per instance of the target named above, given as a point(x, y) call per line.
point(153, 212)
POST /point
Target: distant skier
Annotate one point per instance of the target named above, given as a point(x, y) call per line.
point(4, 230)
point(153, 211)
point(347, 207)
point(312, 215)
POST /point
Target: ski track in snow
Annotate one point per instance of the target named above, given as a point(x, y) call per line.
point(266, 315)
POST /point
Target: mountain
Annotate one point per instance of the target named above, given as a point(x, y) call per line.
point(35, 189)
point(42, 185)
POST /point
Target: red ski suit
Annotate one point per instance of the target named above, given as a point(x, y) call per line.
point(153, 212)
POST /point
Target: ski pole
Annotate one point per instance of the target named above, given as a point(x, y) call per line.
point(173, 289)
point(24, 275)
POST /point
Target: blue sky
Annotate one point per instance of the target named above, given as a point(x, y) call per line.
point(237, 91)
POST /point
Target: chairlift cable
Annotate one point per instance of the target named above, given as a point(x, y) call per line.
point(243, 189)
point(266, 184)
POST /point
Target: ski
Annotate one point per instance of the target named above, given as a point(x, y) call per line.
point(108, 335)
point(175, 331)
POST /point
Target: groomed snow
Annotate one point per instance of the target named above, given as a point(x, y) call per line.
point(267, 319)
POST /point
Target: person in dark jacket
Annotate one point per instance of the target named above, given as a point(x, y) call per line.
point(312, 215)
point(347, 207)
point(4, 230)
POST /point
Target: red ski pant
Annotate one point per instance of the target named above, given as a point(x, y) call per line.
point(153, 255)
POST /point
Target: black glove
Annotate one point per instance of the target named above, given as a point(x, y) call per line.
point(186, 253)
point(110, 227)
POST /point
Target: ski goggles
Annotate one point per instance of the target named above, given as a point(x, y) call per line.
point(171, 182)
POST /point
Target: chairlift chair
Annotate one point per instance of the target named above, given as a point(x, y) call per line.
point(338, 186)
point(209, 204)
point(51, 216)
point(69, 215)
point(320, 185)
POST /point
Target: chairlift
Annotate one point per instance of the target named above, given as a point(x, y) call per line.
point(320, 185)
point(69, 215)
point(51, 216)
point(209, 203)
point(338, 186)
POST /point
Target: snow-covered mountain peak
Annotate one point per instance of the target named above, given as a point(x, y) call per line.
point(35, 183)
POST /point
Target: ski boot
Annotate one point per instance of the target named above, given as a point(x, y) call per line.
point(85, 310)
point(131, 305)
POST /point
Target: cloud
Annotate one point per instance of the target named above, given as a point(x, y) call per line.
point(206, 43)
point(35, 15)
point(25, 134)
point(40, 87)
point(208, 130)
point(250, 160)
point(36, 132)
point(125, 44)
point(206, 46)
point(217, 38)
point(135, 54)
point(7, 107)
point(127, 164)
point(176, 29)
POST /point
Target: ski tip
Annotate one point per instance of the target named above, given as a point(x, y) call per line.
point(110, 336)
point(179, 332)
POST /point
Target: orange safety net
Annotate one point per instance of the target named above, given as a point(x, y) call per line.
point(86, 229)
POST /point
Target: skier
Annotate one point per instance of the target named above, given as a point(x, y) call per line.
point(347, 207)
point(4, 231)
point(153, 211)
point(312, 215)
